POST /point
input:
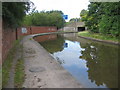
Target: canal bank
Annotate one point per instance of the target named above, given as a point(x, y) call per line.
point(99, 37)
point(42, 71)
point(98, 40)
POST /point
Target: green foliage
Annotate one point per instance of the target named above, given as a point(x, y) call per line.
point(102, 17)
point(74, 20)
point(109, 21)
point(13, 13)
point(19, 73)
point(83, 15)
point(6, 66)
point(48, 18)
point(0, 77)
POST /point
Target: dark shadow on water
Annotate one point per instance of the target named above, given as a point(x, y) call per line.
point(52, 43)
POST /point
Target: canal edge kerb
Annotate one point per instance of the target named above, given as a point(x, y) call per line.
point(98, 40)
point(109, 42)
point(40, 34)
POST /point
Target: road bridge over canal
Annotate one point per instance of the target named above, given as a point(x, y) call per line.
point(75, 26)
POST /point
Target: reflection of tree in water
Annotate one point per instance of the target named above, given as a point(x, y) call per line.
point(102, 63)
point(54, 45)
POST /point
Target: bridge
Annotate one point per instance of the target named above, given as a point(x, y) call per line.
point(75, 26)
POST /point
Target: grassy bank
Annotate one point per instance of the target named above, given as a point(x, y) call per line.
point(19, 73)
point(7, 65)
point(0, 77)
point(98, 36)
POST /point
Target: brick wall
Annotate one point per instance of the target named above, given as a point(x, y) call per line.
point(8, 37)
point(36, 30)
point(19, 32)
point(0, 40)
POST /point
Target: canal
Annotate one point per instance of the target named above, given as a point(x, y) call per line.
point(93, 64)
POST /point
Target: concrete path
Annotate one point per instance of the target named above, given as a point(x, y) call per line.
point(42, 71)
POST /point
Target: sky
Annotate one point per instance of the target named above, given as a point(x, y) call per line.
point(72, 8)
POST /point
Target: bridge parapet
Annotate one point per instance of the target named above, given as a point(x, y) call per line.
point(76, 24)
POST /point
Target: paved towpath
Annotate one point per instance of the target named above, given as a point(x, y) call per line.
point(42, 71)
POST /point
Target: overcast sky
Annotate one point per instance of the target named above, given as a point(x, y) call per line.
point(71, 8)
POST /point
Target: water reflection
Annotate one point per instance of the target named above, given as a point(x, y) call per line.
point(102, 63)
point(93, 64)
point(65, 45)
point(45, 38)
point(53, 44)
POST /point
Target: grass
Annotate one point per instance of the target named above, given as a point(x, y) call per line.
point(30, 39)
point(98, 36)
point(0, 78)
point(6, 66)
point(19, 73)
point(8, 63)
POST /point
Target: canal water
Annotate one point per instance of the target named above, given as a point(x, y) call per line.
point(93, 64)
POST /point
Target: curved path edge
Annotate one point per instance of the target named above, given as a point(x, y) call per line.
point(104, 41)
point(40, 34)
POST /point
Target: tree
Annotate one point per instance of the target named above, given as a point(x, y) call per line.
point(13, 13)
point(109, 20)
point(93, 17)
point(74, 20)
point(102, 18)
point(83, 15)
point(48, 18)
